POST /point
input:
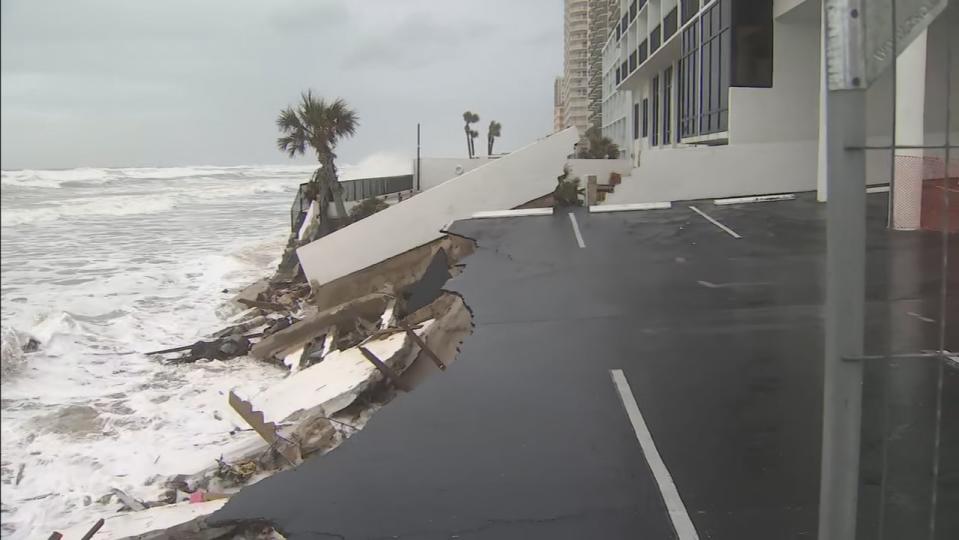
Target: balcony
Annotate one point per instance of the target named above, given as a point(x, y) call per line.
point(661, 47)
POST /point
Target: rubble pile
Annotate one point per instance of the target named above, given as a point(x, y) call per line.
point(345, 361)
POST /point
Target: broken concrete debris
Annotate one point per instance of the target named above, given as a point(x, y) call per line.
point(182, 521)
point(428, 288)
point(349, 347)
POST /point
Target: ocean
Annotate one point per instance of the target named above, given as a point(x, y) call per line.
point(101, 265)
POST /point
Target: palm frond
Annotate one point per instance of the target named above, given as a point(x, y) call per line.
point(317, 123)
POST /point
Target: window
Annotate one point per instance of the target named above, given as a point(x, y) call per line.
point(645, 117)
point(632, 61)
point(632, 10)
point(752, 44)
point(690, 7)
point(703, 74)
point(642, 3)
point(655, 92)
point(714, 88)
point(617, 77)
point(654, 37)
point(669, 24)
point(688, 82)
point(625, 70)
point(667, 104)
point(643, 52)
point(635, 121)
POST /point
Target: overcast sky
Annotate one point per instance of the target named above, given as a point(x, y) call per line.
point(177, 82)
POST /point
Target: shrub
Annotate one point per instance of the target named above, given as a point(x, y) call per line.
point(567, 190)
point(367, 208)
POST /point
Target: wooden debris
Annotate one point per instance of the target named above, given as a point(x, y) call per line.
point(93, 530)
point(298, 334)
point(423, 347)
point(386, 370)
point(269, 306)
point(129, 501)
point(266, 430)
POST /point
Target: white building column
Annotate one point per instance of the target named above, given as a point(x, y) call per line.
point(823, 90)
point(910, 108)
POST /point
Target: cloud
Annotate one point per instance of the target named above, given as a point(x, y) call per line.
point(179, 82)
point(417, 42)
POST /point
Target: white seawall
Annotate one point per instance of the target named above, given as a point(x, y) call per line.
point(504, 183)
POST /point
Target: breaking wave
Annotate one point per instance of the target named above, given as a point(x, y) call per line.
point(100, 265)
point(108, 206)
point(39, 178)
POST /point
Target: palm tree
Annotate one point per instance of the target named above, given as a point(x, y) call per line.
point(319, 124)
point(473, 135)
point(469, 118)
point(595, 146)
point(495, 130)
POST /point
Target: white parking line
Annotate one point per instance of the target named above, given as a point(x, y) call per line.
point(755, 199)
point(629, 207)
point(920, 317)
point(579, 236)
point(714, 222)
point(513, 213)
point(674, 504)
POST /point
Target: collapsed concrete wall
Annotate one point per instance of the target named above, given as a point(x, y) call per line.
point(504, 183)
point(435, 171)
point(396, 272)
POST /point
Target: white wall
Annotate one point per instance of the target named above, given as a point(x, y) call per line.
point(601, 168)
point(504, 183)
point(782, 7)
point(677, 174)
point(435, 171)
point(789, 110)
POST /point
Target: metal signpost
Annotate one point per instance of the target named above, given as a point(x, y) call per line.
point(860, 45)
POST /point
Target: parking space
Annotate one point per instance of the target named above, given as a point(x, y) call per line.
point(719, 340)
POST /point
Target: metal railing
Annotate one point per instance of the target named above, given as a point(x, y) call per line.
point(364, 188)
point(353, 190)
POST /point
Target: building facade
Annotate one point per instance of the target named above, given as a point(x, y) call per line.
point(722, 97)
point(574, 80)
point(558, 118)
point(586, 25)
point(669, 65)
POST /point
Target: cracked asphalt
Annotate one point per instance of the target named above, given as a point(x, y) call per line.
point(721, 341)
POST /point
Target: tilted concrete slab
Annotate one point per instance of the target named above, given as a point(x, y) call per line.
point(523, 175)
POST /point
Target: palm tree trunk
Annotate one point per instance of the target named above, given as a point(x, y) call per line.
point(469, 141)
point(322, 206)
point(489, 146)
point(335, 188)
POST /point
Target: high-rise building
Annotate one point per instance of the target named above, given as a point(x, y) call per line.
point(747, 79)
point(586, 25)
point(558, 120)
